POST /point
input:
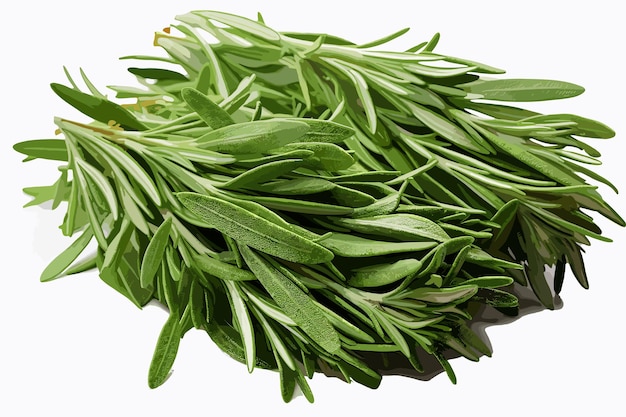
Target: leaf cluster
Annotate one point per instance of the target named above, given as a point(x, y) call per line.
point(266, 234)
point(416, 107)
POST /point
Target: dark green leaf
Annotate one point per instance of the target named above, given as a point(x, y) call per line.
point(97, 108)
point(165, 352)
point(53, 149)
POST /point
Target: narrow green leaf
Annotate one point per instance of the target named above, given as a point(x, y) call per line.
point(221, 269)
point(489, 281)
point(263, 173)
point(445, 128)
point(154, 253)
point(212, 114)
point(455, 295)
point(327, 156)
point(65, 258)
point(584, 127)
point(52, 149)
point(165, 352)
point(324, 131)
point(294, 302)
point(252, 230)
point(384, 274)
point(159, 74)
point(244, 324)
point(296, 186)
point(517, 89)
point(97, 108)
point(357, 247)
point(401, 226)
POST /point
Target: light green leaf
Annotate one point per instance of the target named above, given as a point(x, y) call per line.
point(65, 258)
point(518, 89)
point(53, 149)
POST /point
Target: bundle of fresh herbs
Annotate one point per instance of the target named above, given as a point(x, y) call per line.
point(415, 108)
point(308, 202)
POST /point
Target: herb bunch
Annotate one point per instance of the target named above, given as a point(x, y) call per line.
point(416, 109)
point(265, 233)
point(309, 202)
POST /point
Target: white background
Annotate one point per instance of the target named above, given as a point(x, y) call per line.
point(74, 347)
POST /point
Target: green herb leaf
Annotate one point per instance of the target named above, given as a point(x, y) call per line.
point(252, 230)
point(65, 258)
point(295, 303)
point(516, 89)
point(52, 149)
point(253, 137)
point(212, 114)
point(154, 253)
point(165, 352)
point(97, 108)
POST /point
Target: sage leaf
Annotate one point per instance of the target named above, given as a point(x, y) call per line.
point(384, 274)
point(356, 247)
point(222, 270)
point(400, 226)
point(263, 173)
